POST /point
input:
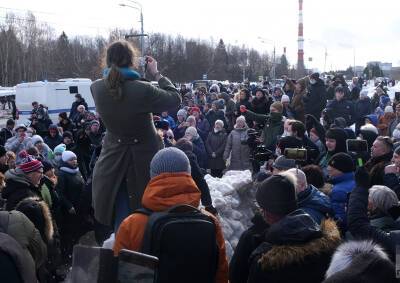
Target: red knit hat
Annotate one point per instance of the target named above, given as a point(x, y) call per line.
point(28, 163)
point(195, 109)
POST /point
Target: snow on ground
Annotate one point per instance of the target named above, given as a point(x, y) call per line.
point(234, 197)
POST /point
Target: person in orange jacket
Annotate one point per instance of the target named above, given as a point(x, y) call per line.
point(171, 184)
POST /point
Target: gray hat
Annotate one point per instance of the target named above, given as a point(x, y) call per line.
point(283, 163)
point(169, 160)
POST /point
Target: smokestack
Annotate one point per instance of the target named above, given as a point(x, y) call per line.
point(300, 42)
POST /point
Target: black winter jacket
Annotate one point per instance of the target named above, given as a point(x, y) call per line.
point(239, 266)
point(315, 100)
point(295, 249)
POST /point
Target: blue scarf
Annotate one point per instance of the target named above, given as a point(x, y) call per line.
point(126, 73)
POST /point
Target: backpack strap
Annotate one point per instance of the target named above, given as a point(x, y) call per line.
point(144, 211)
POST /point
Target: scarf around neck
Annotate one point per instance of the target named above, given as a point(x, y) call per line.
point(127, 73)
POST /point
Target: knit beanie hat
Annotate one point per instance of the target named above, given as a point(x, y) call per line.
point(278, 106)
point(169, 160)
point(283, 163)
point(389, 109)
point(285, 98)
point(37, 139)
point(28, 163)
point(53, 127)
point(192, 131)
point(277, 195)
point(183, 113)
point(219, 122)
point(59, 149)
point(68, 156)
point(3, 151)
point(342, 162)
point(68, 134)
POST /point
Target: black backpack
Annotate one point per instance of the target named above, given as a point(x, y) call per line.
point(184, 240)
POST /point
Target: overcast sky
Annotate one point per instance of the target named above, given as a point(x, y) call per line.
point(368, 29)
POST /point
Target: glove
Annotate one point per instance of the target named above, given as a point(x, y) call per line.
point(211, 209)
point(362, 178)
point(243, 109)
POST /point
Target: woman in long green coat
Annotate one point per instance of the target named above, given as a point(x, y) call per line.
point(125, 103)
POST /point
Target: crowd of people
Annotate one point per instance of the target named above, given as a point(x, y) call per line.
point(328, 216)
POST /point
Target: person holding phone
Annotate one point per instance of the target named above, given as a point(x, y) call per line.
point(19, 142)
point(125, 104)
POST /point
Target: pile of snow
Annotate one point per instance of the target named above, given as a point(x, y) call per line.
point(234, 197)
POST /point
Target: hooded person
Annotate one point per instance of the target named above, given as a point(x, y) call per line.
point(23, 181)
point(294, 248)
point(335, 141)
point(341, 170)
point(17, 225)
point(230, 109)
point(44, 149)
point(171, 184)
point(237, 150)
point(360, 261)
point(54, 138)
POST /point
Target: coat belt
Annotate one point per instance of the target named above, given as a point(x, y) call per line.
point(123, 140)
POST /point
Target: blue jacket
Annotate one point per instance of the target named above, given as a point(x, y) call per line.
point(315, 203)
point(170, 121)
point(342, 186)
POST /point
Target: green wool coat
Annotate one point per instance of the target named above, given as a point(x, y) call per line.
point(131, 140)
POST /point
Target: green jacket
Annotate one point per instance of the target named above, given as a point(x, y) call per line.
point(273, 128)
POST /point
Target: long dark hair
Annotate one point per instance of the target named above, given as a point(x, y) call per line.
point(120, 54)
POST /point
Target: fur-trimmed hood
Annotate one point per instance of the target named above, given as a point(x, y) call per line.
point(360, 261)
point(38, 212)
point(348, 251)
point(279, 255)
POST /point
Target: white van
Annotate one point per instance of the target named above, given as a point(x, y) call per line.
point(57, 96)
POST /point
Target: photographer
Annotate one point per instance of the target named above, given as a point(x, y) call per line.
point(125, 103)
point(273, 123)
point(298, 130)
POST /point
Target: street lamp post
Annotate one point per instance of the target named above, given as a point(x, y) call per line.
point(141, 25)
point(268, 41)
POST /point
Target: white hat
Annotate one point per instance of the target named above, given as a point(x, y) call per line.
point(285, 98)
point(36, 139)
point(389, 109)
point(370, 128)
point(68, 156)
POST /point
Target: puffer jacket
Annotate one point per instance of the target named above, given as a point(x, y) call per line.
point(15, 146)
point(342, 187)
point(163, 192)
point(315, 203)
point(18, 226)
point(18, 187)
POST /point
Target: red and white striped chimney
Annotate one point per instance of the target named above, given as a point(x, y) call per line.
point(300, 42)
